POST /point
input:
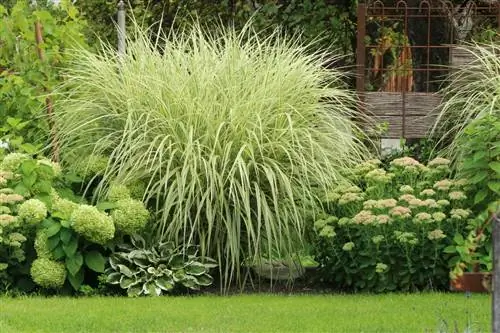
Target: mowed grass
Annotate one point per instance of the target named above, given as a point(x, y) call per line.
point(249, 313)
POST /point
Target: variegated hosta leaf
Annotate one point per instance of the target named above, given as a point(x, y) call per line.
point(210, 263)
point(195, 268)
point(114, 278)
point(149, 288)
point(138, 242)
point(177, 261)
point(165, 283)
point(126, 282)
point(179, 275)
point(190, 282)
point(204, 280)
point(125, 270)
point(134, 291)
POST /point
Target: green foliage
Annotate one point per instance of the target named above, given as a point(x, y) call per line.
point(145, 269)
point(480, 160)
point(245, 130)
point(94, 225)
point(35, 223)
point(471, 94)
point(24, 78)
point(333, 23)
point(48, 273)
point(387, 232)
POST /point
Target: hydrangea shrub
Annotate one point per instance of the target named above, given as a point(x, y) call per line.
point(386, 231)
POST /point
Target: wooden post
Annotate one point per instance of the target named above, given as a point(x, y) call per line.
point(496, 274)
point(121, 29)
point(48, 100)
point(360, 48)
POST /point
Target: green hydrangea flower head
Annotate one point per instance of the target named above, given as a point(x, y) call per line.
point(137, 190)
point(92, 224)
point(92, 165)
point(118, 192)
point(12, 161)
point(130, 216)
point(41, 245)
point(64, 207)
point(48, 273)
point(32, 211)
point(56, 167)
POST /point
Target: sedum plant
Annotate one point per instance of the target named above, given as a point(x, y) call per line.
point(229, 131)
point(151, 270)
point(391, 227)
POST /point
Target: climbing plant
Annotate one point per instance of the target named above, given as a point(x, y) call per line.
point(30, 69)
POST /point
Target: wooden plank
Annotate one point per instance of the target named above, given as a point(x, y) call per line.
point(460, 56)
point(387, 107)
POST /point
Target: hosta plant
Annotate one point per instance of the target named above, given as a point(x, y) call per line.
point(387, 230)
point(153, 269)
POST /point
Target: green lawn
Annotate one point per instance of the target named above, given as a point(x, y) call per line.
point(248, 313)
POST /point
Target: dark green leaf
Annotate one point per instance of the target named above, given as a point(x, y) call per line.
point(28, 166)
point(495, 166)
point(74, 263)
point(21, 189)
point(43, 186)
point(76, 280)
point(478, 177)
point(53, 229)
point(29, 180)
point(480, 196)
point(58, 253)
point(71, 247)
point(494, 186)
point(65, 235)
point(52, 242)
point(95, 261)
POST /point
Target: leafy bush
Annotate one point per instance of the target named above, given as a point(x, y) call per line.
point(242, 131)
point(389, 231)
point(144, 269)
point(25, 79)
point(42, 230)
point(479, 151)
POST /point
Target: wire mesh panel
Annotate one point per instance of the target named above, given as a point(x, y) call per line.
point(403, 51)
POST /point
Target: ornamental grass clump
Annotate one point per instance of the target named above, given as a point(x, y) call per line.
point(228, 130)
point(472, 94)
